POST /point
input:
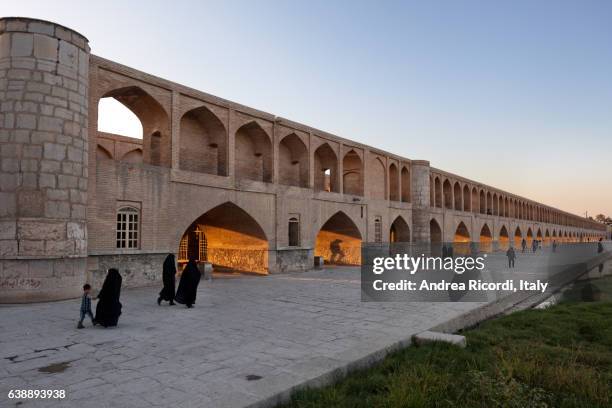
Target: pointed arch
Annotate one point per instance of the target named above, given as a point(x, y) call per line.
point(326, 169)
point(435, 232)
point(102, 153)
point(504, 239)
point(203, 142)
point(154, 120)
point(352, 179)
point(495, 204)
point(448, 194)
point(475, 201)
point(339, 241)
point(483, 202)
point(117, 119)
point(377, 180)
point(394, 193)
point(399, 231)
point(133, 156)
point(228, 237)
point(458, 198)
point(467, 199)
point(293, 161)
point(486, 239)
point(529, 237)
point(461, 240)
point(438, 192)
point(518, 237)
point(252, 153)
point(405, 184)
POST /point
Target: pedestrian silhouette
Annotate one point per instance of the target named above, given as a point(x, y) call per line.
point(336, 250)
point(511, 257)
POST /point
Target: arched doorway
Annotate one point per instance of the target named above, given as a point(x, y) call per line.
point(529, 238)
point(518, 237)
point(461, 240)
point(504, 239)
point(339, 241)
point(399, 231)
point(229, 238)
point(435, 237)
point(486, 239)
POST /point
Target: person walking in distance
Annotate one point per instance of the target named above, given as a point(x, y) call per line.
point(511, 257)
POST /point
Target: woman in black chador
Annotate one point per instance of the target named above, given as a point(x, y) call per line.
point(188, 285)
point(168, 277)
point(108, 309)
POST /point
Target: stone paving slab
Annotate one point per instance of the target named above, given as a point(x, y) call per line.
point(286, 329)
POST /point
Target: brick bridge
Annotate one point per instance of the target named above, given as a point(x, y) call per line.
point(241, 188)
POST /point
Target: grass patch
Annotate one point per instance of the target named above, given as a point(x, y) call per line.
point(557, 357)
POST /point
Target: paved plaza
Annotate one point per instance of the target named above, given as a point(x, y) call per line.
point(247, 339)
point(285, 329)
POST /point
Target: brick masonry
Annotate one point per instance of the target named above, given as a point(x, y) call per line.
point(237, 173)
point(43, 146)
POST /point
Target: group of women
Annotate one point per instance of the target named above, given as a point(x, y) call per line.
point(188, 285)
point(108, 308)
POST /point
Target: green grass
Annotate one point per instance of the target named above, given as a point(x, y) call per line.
point(558, 357)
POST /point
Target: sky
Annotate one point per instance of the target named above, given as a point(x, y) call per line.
point(514, 94)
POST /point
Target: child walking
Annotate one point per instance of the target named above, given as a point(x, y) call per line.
point(86, 306)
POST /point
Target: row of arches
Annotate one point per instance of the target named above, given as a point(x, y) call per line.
point(461, 196)
point(204, 148)
point(463, 239)
point(231, 239)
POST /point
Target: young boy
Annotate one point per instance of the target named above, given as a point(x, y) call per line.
point(86, 306)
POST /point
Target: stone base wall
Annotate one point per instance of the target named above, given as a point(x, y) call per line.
point(136, 269)
point(39, 280)
point(294, 260)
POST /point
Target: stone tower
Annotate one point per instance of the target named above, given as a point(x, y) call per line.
point(43, 152)
point(420, 200)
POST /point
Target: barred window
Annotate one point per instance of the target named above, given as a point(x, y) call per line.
point(294, 232)
point(183, 245)
point(377, 229)
point(127, 228)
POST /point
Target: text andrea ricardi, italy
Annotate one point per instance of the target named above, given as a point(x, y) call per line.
point(461, 274)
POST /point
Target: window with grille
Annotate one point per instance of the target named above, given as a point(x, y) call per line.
point(294, 232)
point(183, 245)
point(127, 228)
point(377, 229)
point(202, 247)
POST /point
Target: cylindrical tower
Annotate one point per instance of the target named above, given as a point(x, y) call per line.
point(420, 195)
point(43, 152)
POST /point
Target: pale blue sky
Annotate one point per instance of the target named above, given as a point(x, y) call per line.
point(516, 94)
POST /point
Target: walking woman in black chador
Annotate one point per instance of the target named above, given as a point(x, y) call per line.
point(188, 285)
point(168, 278)
point(108, 309)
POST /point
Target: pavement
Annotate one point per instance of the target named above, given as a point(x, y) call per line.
point(247, 339)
